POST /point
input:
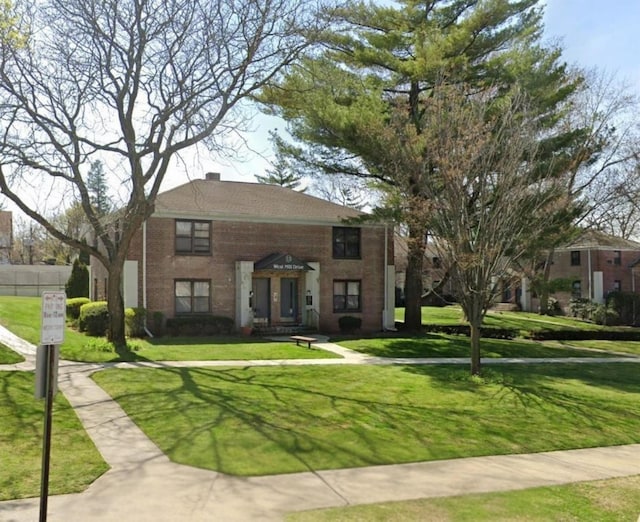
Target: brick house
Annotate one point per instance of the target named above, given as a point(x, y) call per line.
point(597, 264)
point(260, 254)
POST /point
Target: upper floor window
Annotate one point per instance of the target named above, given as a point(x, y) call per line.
point(617, 257)
point(575, 258)
point(193, 237)
point(346, 243)
point(192, 296)
point(346, 296)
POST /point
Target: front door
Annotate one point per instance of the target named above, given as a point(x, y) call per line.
point(289, 298)
point(261, 299)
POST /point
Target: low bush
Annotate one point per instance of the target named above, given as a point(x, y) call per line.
point(73, 307)
point(134, 321)
point(199, 325)
point(157, 324)
point(94, 318)
point(349, 323)
point(584, 335)
point(464, 329)
point(78, 282)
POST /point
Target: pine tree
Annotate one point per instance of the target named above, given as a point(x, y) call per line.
point(382, 64)
point(281, 174)
point(98, 188)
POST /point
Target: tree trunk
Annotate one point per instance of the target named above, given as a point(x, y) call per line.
point(544, 292)
point(475, 348)
point(413, 281)
point(115, 305)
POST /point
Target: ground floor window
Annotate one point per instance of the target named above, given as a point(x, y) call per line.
point(346, 296)
point(192, 296)
point(576, 290)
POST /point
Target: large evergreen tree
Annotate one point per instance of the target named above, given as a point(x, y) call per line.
point(98, 188)
point(341, 101)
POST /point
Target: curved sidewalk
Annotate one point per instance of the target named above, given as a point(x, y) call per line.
point(143, 484)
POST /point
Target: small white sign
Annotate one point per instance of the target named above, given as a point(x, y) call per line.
point(54, 305)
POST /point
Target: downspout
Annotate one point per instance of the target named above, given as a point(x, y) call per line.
point(386, 311)
point(386, 277)
point(144, 275)
point(590, 275)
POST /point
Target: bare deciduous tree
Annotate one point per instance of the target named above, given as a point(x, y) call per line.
point(486, 205)
point(131, 83)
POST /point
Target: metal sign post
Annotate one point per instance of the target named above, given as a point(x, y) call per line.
point(52, 335)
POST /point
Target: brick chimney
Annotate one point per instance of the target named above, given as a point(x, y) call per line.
point(212, 176)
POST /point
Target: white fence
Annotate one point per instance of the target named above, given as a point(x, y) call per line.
point(32, 280)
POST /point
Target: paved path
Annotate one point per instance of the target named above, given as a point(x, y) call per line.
point(143, 485)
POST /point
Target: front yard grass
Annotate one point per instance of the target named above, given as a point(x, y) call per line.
point(8, 356)
point(22, 316)
point(522, 321)
point(75, 461)
point(441, 345)
point(193, 349)
point(630, 347)
point(263, 420)
point(609, 500)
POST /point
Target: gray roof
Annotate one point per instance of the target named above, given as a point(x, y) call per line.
point(232, 200)
point(596, 240)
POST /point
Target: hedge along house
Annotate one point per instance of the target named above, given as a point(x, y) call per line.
point(263, 255)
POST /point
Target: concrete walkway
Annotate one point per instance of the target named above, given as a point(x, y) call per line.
point(143, 485)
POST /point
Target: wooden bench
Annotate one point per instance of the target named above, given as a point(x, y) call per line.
point(301, 338)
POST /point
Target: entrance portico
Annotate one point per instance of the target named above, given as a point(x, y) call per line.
point(276, 290)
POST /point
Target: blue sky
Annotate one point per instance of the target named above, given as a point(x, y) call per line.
point(593, 33)
point(598, 33)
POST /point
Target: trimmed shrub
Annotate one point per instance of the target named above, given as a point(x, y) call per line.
point(157, 323)
point(585, 335)
point(581, 307)
point(78, 282)
point(199, 325)
point(94, 318)
point(465, 329)
point(627, 304)
point(604, 314)
point(349, 323)
point(134, 321)
point(73, 307)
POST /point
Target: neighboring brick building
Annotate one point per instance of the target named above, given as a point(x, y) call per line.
point(261, 254)
point(598, 264)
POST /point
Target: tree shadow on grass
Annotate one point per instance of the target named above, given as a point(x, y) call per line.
point(572, 388)
point(286, 427)
point(328, 417)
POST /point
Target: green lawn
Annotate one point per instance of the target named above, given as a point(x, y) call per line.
point(302, 418)
point(75, 461)
point(8, 356)
point(194, 349)
point(630, 347)
point(612, 500)
point(523, 321)
point(440, 345)
point(22, 316)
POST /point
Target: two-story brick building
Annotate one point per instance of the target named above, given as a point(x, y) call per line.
point(596, 263)
point(261, 254)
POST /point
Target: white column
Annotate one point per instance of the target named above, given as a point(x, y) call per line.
point(244, 314)
point(130, 284)
point(312, 285)
point(598, 288)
